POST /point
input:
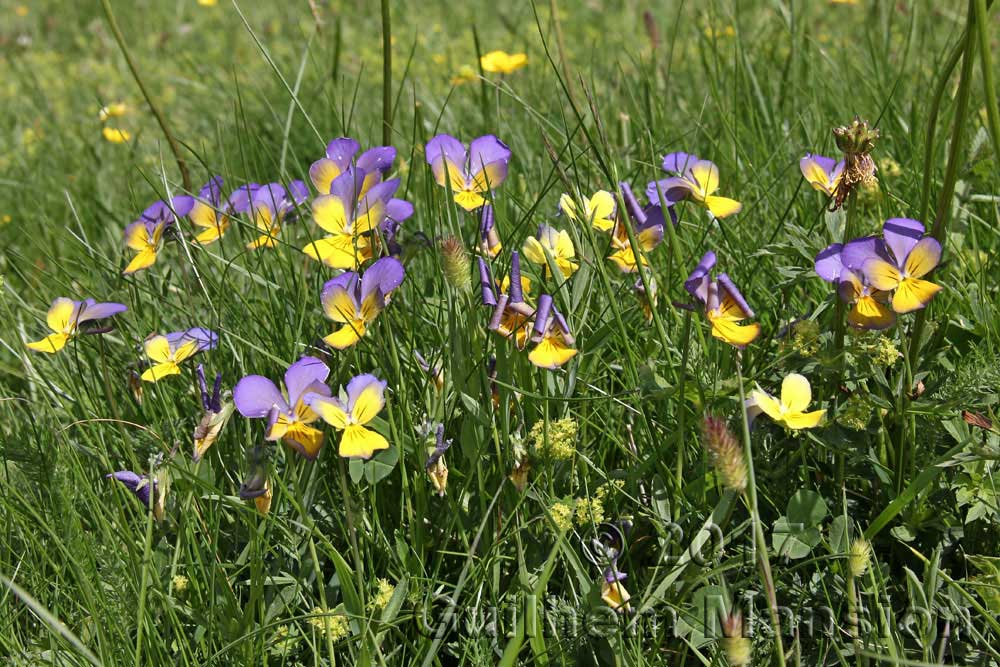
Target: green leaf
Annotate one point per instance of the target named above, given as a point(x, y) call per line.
point(790, 540)
point(839, 540)
point(807, 508)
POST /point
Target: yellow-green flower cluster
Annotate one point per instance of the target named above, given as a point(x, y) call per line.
point(329, 624)
point(560, 443)
point(588, 511)
point(180, 584)
point(562, 516)
point(805, 338)
point(382, 596)
point(855, 413)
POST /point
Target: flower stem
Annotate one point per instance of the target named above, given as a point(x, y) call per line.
point(942, 215)
point(750, 496)
point(160, 118)
point(351, 530)
point(386, 74)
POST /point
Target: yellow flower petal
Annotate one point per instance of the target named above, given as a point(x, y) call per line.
point(913, 294)
point(796, 394)
point(50, 344)
point(360, 442)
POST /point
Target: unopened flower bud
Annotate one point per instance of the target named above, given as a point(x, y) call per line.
point(726, 453)
point(860, 557)
point(457, 263)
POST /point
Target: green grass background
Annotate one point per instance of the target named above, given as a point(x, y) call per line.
point(253, 91)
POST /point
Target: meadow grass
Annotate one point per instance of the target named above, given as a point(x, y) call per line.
point(553, 475)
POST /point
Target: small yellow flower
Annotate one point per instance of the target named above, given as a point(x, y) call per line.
point(439, 59)
point(796, 394)
point(466, 74)
point(615, 595)
point(21, 10)
point(719, 33)
point(115, 135)
point(560, 443)
point(333, 625)
point(501, 62)
point(5, 219)
point(180, 583)
point(599, 210)
point(562, 516)
point(114, 110)
point(558, 244)
point(588, 511)
point(208, 3)
point(383, 596)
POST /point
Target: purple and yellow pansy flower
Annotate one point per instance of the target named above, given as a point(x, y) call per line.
point(822, 173)
point(469, 173)
point(598, 210)
point(65, 317)
point(271, 206)
point(554, 243)
point(355, 301)
point(209, 212)
point(898, 262)
point(350, 217)
point(373, 164)
point(551, 335)
point(357, 405)
point(145, 235)
point(697, 180)
point(648, 227)
point(288, 415)
point(724, 306)
point(511, 313)
point(168, 351)
point(868, 309)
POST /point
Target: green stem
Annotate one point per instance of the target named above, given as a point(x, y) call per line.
point(351, 530)
point(942, 216)
point(321, 584)
point(386, 74)
point(160, 118)
point(682, 403)
point(147, 557)
point(852, 618)
point(751, 499)
point(935, 107)
point(986, 63)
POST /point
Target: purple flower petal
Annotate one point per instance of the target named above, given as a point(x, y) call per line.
point(678, 162)
point(89, 310)
point(299, 192)
point(342, 150)
point(697, 283)
point(901, 235)
point(631, 204)
point(542, 314)
point(674, 189)
point(385, 275)
point(134, 483)
point(239, 200)
point(489, 296)
point(255, 395)
point(357, 386)
point(211, 192)
point(302, 375)
point(489, 153)
point(515, 289)
point(728, 288)
point(441, 148)
point(398, 210)
point(379, 158)
point(829, 263)
point(855, 253)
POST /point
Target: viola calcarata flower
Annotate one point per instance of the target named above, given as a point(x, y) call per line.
point(64, 318)
point(356, 406)
point(697, 180)
point(289, 416)
point(469, 173)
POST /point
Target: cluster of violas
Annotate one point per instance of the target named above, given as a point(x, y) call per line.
point(359, 217)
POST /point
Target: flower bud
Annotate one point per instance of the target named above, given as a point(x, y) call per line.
point(860, 557)
point(456, 262)
point(737, 647)
point(857, 137)
point(726, 453)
